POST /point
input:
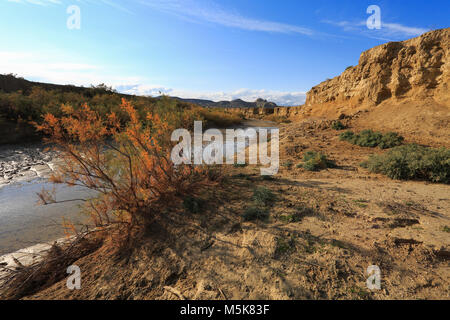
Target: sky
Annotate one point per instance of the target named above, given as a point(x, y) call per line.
point(217, 50)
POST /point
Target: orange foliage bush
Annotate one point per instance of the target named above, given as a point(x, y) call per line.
point(128, 166)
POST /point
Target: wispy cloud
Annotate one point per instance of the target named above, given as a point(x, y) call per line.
point(60, 69)
point(37, 2)
point(111, 3)
point(396, 28)
point(389, 31)
point(212, 13)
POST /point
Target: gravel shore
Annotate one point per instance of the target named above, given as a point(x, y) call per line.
point(20, 163)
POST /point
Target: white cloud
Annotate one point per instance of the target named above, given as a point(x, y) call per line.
point(47, 67)
point(194, 12)
point(394, 28)
point(388, 32)
point(282, 98)
point(61, 69)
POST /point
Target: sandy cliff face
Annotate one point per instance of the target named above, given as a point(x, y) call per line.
point(416, 69)
point(397, 86)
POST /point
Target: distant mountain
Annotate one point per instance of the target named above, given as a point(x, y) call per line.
point(237, 103)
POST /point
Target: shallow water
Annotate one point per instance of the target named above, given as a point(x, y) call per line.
point(23, 222)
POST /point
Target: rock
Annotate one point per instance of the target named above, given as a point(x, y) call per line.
point(414, 68)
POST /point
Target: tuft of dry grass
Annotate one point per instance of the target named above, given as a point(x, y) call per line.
point(27, 280)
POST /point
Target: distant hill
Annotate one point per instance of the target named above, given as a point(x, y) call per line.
point(237, 103)
point(10, 83)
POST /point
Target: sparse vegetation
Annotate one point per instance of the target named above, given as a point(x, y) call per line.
point(288, 164)
point(301, 212)
point(290, 218)
point(362, 203)
point(361, 293)
point(372, 139)
point(315, 161)
point(255, 213)
point(284, 246)
point(262, 198)
point(446, 229)
point(412, 162)
point(338, 125)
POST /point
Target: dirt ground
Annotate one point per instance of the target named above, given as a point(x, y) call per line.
point(325, 229)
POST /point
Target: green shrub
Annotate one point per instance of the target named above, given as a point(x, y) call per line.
point(263, 196)
point(255, 213)
point(288, 164)
point(411, 162)
point(315, 161)
point(337, 125)
point(368, 138)
point(390, 140)
point(347, 136)
point(372, 139)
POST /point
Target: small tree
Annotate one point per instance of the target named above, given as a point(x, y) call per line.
point(128, 166)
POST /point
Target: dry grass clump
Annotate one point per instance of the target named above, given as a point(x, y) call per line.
point(27, 280)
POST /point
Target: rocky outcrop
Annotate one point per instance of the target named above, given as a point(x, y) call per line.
point(417, 68)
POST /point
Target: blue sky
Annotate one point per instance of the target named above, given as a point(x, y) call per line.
point(217, 50)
